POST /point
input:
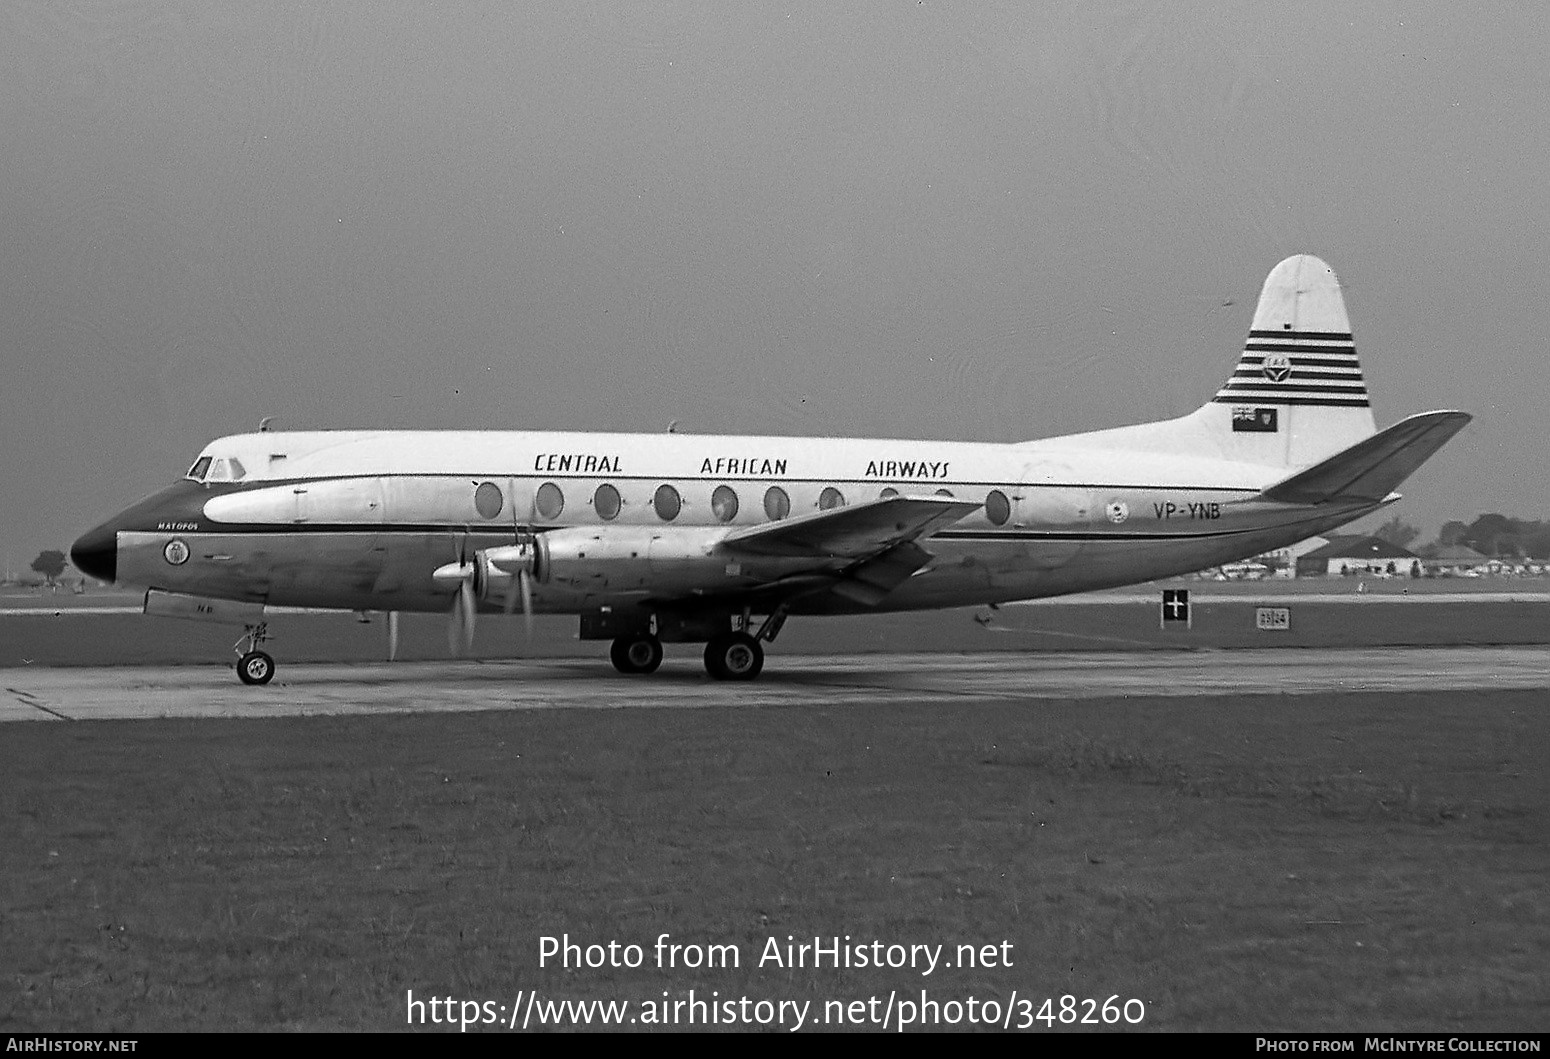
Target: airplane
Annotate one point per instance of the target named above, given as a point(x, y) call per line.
point(654, 539)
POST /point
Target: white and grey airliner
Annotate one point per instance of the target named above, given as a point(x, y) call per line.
point(683, 538)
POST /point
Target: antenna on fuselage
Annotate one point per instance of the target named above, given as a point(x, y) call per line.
point(263, 424)
point(672, 428)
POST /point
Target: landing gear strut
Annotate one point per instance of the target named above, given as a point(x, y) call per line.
point(253, 665)
point(636, 654)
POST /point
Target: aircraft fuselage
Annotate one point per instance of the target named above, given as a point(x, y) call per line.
point(359, 520)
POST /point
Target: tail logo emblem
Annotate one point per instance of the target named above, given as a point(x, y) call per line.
point(1278, 367)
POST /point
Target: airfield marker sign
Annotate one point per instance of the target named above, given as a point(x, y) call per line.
point(1273, 619)
point(1175, 608)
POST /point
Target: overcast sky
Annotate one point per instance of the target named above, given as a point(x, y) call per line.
point(970, 221)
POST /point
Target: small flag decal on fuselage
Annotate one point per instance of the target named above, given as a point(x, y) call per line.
point(1253, 420)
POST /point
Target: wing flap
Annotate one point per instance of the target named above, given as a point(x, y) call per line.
point(1370, 469)
point(871, 579)
point(857, 532)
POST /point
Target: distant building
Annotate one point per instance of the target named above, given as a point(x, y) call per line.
point(1455, 560)
point(1351, 555)
point(1283, 561)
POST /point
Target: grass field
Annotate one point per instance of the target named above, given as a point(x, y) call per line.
point(1295, 863)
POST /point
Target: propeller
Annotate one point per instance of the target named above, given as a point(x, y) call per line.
point(517, 562)
point(465, 603)
point(472, 579)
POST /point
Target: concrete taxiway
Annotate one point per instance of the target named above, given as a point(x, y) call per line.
point(79, 694)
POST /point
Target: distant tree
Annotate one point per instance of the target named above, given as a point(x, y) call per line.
point(50, 564)
point(1397, 532)
point(1452, 533)
point(1536, 542)
point(1493, 534)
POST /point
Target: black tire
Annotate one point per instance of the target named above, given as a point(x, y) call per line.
point(636, 654)
point(255, 667)
point(734, 656)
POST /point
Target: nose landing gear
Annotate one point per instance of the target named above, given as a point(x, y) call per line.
point(253, 665)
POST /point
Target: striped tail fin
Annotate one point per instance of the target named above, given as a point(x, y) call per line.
point(1299, 373)
point(1297, 396)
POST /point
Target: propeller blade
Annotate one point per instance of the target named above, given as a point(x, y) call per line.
point(392, 635)
point(460, 631)
point(525, 580)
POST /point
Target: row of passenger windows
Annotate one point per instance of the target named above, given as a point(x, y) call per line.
point(724, 503)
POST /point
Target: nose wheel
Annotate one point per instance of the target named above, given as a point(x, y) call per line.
point(253, 665)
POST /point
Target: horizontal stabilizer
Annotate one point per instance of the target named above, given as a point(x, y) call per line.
point(1370, 469)
point(851, 532)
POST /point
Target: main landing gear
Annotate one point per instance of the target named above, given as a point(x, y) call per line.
point(253, 665)
point(732, 655)
point(636, 654)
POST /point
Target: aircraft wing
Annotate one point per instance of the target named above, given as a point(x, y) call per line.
point(851, 532)
point(879, 537)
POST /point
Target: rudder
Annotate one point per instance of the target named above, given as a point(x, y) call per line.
point(1299, 380)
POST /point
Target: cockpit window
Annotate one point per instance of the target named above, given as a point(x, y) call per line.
point(197, 471)
point(238, 472)
point(218, 472)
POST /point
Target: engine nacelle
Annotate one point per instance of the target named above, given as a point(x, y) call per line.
point(663, 560)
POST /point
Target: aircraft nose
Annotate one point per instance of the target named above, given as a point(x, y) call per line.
point(96, 553)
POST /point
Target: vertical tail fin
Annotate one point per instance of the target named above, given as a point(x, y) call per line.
point(1299, 381)
point(1297, 396)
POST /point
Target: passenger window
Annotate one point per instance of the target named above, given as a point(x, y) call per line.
point(830, 498)
point(606, 502)
point(724, 503)
point(488, 500)
point(777, 505)
point(997, 508)
point(888, 493)
point(550, 501)
point(667, 503)
point(944, 492)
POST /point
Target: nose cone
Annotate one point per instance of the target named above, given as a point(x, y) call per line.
point(96, 553)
